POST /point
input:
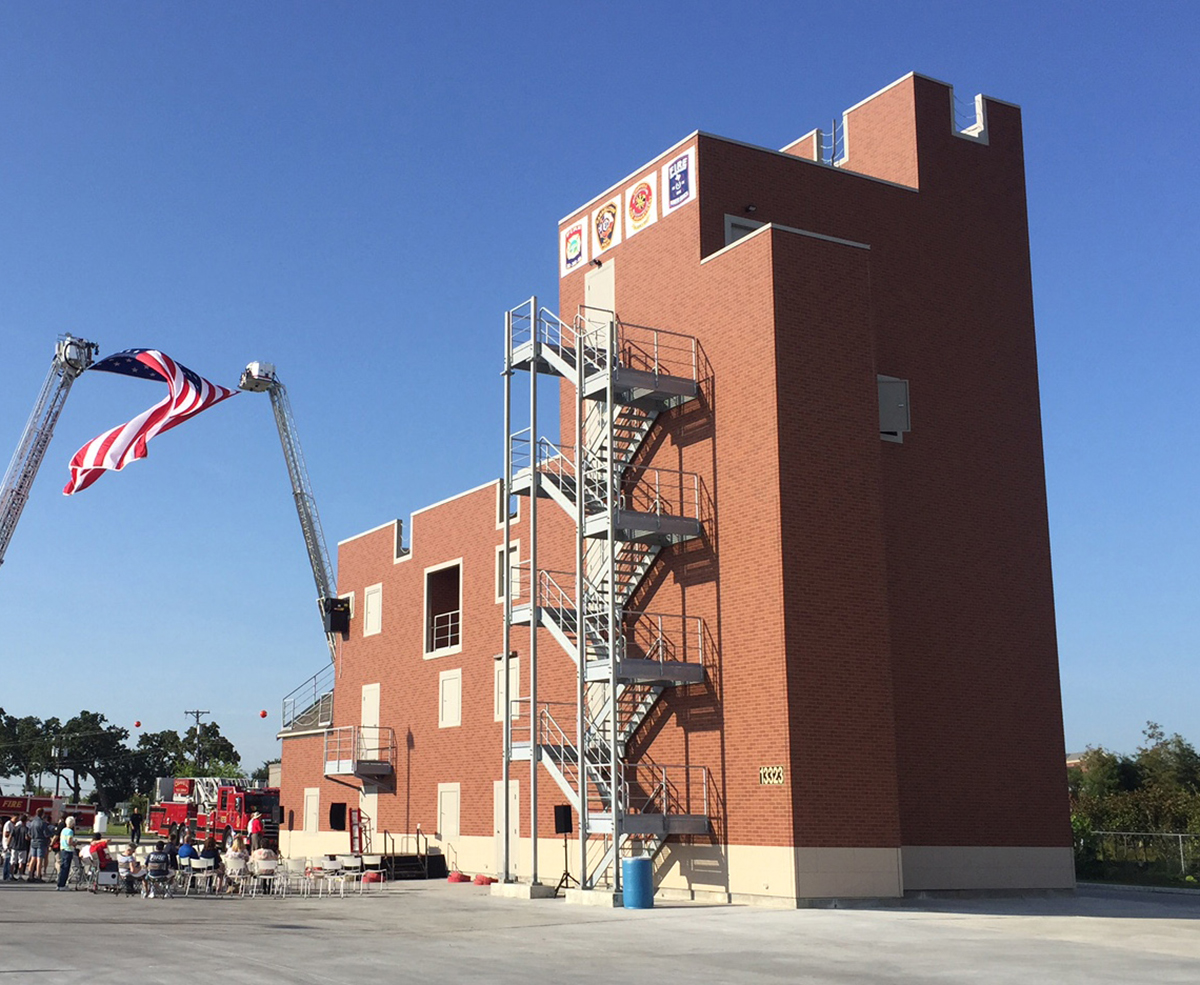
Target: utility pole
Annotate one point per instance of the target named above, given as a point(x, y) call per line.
point(197, 715)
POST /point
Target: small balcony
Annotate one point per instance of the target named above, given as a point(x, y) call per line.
point(366, 751)
point(310, 706)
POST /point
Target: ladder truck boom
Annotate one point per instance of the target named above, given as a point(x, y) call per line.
point(260, 377)
point(71, 357)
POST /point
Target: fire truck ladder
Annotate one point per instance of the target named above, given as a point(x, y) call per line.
point(624, 514)
point(260, 377)
point(71, 357)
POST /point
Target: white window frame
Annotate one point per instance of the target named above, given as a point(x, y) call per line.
point(514, 686)
point(372, 591)
point(445, 651)
point(514, 517)
point(453, 719)
point(515, 551)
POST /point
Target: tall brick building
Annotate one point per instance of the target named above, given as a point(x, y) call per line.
point(791, 604)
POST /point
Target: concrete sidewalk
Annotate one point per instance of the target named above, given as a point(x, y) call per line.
point(436, 932)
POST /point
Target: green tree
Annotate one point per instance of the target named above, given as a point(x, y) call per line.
point(1169, 764)
point(214, 751)
point(263, 773)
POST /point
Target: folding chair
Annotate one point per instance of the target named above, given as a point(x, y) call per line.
point(265, 876)
point(352, 870)
point(201, 872)
point(372, 866)
point(297, 875)
point(235, 874)
point(332, 871)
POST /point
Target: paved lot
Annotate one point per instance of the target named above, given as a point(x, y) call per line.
point(436, 932)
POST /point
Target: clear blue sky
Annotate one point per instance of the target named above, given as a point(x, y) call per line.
point(357, 191)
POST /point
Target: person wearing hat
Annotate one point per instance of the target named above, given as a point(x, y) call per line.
point(255, 828)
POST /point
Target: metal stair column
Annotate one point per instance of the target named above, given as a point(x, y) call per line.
point(534, 484)
point(615, 786)
point(580, 635)
point(505, 483)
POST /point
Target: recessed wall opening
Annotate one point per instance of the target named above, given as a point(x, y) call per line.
point(443, 603)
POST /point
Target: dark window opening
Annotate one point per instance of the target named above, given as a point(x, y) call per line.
point(442, 615)
point(337, 817)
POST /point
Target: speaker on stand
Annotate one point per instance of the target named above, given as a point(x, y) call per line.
point(563, 825)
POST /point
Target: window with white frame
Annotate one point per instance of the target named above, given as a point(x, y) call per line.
point(450, 698)
point(514, 554)
point(443, 609)
point(373, 610)
point(514, 687)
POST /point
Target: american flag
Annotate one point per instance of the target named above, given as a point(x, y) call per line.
point(119, 446)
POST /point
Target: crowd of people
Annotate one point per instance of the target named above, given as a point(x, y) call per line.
point(29, 842)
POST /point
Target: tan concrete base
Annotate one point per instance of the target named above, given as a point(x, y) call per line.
point(522, 890)
point(594, 897)
point(980, 867)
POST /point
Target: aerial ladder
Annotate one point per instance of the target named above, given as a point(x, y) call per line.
point(71, 357)
point(335, 612)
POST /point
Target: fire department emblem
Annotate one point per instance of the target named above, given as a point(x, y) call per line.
point(641, 204)
point(679, 180)
point(574, 246)
point(606, 226)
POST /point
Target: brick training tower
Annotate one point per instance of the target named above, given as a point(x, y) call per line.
point(777, 610)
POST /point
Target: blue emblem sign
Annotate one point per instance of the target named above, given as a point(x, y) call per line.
point(679, 181)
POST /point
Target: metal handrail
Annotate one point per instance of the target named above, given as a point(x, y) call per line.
point(444, 629)
point(366, 743)
point(670, 788)
point(669, 492)
point(310, 704)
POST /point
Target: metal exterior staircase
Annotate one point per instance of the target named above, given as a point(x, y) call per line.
point(625, 513)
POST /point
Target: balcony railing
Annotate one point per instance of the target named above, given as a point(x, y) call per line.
point(310, 705)
point(360, 750)
point(444, 630)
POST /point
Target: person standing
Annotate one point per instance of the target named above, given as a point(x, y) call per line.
point(6, 845)
point(39, 844)
point(66, 852)
point(135, 828)
point(255, 830)
point(20, 847)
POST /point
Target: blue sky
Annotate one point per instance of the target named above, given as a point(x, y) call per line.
point(357, 191)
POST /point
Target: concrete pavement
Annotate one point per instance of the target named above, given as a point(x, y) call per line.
point(437, 932)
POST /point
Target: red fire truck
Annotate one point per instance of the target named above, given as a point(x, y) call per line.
point(54, 807)
point(211, 805)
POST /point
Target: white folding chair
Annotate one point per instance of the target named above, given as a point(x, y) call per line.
point(264, 876)
point(372, 866)
point(235, 873)
point(297, 876)
point(332, 871)
point(352, 869)
point(201, 872)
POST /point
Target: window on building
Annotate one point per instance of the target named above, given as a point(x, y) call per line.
point(894, 419)
point(514, 553)
point(450, 698)
point(373, 610)
point(337, 817)
point(737, 226)
point(514, 687)
point(514, 506)
point(443, 609)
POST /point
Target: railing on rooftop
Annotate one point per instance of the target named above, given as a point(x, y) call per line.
point(311, 704)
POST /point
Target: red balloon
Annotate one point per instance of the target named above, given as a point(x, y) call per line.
point(137, 724)
point(263, 713)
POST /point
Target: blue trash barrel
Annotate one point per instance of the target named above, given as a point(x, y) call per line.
point(639, 887)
